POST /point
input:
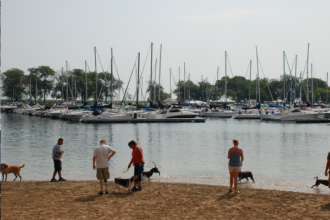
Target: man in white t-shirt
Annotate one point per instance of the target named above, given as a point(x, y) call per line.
point(102, 155)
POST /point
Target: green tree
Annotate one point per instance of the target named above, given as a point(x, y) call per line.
point(105, 78)
point(44, 76)
point(13, 84)
point(155, 89)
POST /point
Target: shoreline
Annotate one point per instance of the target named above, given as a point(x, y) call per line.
point(157, 200)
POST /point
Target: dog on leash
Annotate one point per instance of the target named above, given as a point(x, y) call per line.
point(124, 182)
point(320, 181)
point(245, 175)
point(5, 169)
point(148, 174)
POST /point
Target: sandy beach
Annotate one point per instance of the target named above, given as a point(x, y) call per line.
point(78, 200)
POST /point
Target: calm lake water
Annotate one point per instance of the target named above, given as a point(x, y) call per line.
point(283, 156)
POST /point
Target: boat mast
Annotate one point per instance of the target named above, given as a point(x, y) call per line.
point(111, 77)
point(189, 88)
point(256, 87)
point(250, 83)
point(202, 89)
point(300, 85)
point(36, 89)
point(155, 85)
point(150, 86)
point(71, 89)
point(67, 84)
point(216, 98)
point(307, 74)
point(86, 80)
point(138, 81)
point(225, 76)
point(284, 76)
point(141, 88)
point(170, 83)
point(179, 85)
point(312, 84)
point(295, 75)
point(62, 87)
point(75, 87)
point(327, 87)
point(95, 77)
point(160, 64)
point(184, 82)
point(258, 82)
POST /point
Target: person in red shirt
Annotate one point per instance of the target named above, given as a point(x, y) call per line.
point(138, 163)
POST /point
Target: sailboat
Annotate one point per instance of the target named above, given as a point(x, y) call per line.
point(251, 112)
point(220, 111)
point(296, 113)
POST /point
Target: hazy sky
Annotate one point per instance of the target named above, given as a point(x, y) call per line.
point(39, 32)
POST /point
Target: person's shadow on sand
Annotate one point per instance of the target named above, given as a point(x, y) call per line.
point(110, 195)
point(120, 195)
point(227, 196)
point(325, 207)
point(86, 199)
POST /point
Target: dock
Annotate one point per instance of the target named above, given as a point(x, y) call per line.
point(144, 120)
point(313, 120)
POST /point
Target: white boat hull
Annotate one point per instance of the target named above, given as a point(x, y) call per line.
point(294, 116)
point(220, 114)
point(246, 116)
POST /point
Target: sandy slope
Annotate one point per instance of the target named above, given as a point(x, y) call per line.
point(78, 199)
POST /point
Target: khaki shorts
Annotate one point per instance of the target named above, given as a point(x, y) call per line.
point(103, 173)
point(234, 169)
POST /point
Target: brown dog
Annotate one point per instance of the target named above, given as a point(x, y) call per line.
point(5, 169)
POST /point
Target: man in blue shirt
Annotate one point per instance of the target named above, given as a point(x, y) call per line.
point(57, 155)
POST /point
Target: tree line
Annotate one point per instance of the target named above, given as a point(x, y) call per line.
point(43, 82)
point(241, 89)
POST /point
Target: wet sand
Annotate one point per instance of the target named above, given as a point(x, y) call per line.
point(78, 200)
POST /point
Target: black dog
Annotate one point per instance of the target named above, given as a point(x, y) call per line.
point(148, 174)
point(245, 175)
point(318, 182)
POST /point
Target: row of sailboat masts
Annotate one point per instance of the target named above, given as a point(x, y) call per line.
point(152, 91)
point(111, 81)
point(67, 83)
point(307, 78)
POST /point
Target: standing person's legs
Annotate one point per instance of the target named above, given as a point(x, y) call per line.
point(231, 179)
point(57, 169)
point(55, 172)
point(100, 177)
point(101, 185)
point(106, 176)
point(235, 176)
point(136, 173)
point(60, 174)
point(140, 175)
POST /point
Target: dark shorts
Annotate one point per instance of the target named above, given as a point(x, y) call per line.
point(138, 172)
point(58, 165)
